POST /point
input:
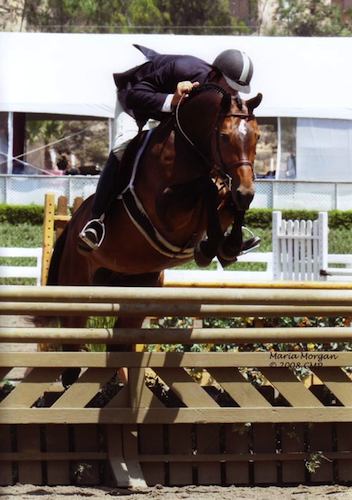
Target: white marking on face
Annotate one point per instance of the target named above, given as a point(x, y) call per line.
point(242, 128)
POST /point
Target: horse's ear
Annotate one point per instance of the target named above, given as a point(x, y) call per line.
point(254, 102)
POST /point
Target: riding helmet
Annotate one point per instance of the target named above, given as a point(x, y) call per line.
point(236, 67)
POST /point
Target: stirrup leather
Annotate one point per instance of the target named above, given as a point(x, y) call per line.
point(86, 229)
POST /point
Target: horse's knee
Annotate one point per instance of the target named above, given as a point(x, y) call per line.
point(204, 253)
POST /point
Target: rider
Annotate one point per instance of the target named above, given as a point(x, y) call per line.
point(150, 92)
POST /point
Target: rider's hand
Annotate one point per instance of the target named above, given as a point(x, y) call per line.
point(182, 90)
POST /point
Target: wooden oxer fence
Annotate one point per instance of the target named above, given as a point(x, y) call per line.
point(254, 420)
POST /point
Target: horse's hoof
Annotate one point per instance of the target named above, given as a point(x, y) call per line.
point(200, 255)
point(226, 262)
point(227, 253)
point(69, 376)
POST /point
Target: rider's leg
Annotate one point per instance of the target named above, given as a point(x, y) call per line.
point(94, 231)
point(107, 190)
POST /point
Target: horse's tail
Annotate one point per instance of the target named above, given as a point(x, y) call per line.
point(53, 274)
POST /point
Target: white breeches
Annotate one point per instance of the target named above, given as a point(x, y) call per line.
point(125, 129)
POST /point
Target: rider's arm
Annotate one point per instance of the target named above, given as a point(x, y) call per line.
point(152, 95)
point(183, 89)
point(149, 95)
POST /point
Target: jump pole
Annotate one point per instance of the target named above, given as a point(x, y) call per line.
point(53, 225)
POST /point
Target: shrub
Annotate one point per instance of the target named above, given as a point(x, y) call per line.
point(255, 217)
point(262, 217)
point(20, 214)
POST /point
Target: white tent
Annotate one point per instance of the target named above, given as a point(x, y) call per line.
point(308, 79)
point(72, 73)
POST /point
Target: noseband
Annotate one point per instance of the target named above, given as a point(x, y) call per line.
point(220, 165)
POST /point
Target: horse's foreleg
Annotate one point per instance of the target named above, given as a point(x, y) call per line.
point(231, 246)
point(70, 375)
point(207, 249)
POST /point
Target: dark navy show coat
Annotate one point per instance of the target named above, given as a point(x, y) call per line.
point(142, 90)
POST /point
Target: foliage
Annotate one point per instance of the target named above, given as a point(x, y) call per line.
point(340, 219)
point(258, 218)
point(340, 240)
point(252, 374)
point(131, 16)
point(311, 18)
point(204, 17)
point(99, 322)
point(44, 130)
point(21, 214)
point(314, 460)
point(87, 139)
point(262, 217)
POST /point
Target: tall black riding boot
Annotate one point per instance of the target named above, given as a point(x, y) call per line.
point(94, 231)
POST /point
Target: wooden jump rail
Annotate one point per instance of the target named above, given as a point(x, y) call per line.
point(161, 424)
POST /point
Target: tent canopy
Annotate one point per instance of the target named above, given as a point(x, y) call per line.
point(72, 73)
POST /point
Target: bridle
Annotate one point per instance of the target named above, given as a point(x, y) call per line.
point(220, 166)
point(222, 171)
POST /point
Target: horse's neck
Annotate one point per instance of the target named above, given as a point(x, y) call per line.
point(168, 185)
point(171, 159)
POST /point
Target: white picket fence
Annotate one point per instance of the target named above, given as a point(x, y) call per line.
point(300, 248)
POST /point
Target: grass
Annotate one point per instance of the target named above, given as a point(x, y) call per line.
point(26, 235)
point(20, 235)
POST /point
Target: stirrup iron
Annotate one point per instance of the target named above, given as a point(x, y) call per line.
point(86, 240)
point(256, 241)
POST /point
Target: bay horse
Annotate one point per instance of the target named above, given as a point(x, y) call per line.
point(192, 178)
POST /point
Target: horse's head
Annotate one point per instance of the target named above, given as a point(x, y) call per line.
point(223, 132)
point(234, 147)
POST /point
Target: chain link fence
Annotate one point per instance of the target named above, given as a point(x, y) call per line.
point(31, 189)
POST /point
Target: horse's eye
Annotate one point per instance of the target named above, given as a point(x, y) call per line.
point(225, 137)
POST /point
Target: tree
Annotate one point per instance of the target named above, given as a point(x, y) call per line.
point(133, 16)
point(311, 18)
point(206, 17)
point(103, 16)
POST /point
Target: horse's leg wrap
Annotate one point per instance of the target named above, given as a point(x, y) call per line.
point(207, 249)
point(231, 246)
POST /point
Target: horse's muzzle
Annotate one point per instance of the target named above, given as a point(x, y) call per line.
point(243, 197)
